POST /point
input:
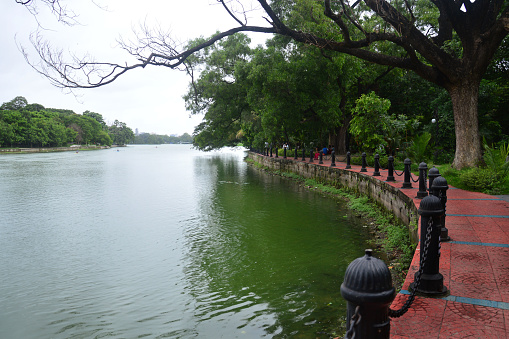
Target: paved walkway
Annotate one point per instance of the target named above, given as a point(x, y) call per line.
point(475, 266)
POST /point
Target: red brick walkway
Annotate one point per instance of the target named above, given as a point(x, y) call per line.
point(475, 266)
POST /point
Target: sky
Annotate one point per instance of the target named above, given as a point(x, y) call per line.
point(149, 99)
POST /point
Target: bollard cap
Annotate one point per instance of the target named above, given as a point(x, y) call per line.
point(363, 154)
point(407, 161)
point(377, 156)
point(368, 280)
point(423, 166)
point(431, 206)
point(433, 172)
point(440, 183)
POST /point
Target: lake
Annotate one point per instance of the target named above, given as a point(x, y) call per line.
point(167, 242)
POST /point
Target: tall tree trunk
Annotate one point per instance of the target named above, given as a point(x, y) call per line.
point(339, 137)
point(465, 98)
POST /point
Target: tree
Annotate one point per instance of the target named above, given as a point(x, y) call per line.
point(120, 133)
point(16, 104)
point(98, 117)
point(219, 92)
point(370, 123)
point(448, 43)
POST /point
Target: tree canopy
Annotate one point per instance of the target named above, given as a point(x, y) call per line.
point(33, 125)
point(448, 43)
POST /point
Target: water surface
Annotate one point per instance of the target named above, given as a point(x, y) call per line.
point(167, 242)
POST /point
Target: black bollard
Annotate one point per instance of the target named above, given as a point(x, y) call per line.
point(333, 159)
point(321, 158)
point(277, 154)
point(439, 190)
point(284, 152)
point(423, 173)
point(364, 164)
point(406, 181)
point(311, 156)
point(368, 289)
point(271, 151)
point(431, 281)
point(348, 158)
point(432, 174)
point(295, 156)
point(303, 153)
point(390, 176)
point(376, 172)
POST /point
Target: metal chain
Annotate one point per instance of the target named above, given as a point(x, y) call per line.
point(354, 321)
point(413, 178)
point(417, 282)
point(396, 172)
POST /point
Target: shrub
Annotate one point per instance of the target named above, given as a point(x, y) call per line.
point(481, 180)
point(418, 151)
point(495, 159)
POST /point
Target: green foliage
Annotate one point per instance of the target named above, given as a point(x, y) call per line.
point(153, 139)
point(16, 104)
point(370, 121)
point(120, 133)
point(496, 159)
point(491, 178)
point(480, 180)
point(418, 150)
point(33, 125)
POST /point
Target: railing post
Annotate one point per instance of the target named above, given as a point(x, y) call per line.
point(284, 152)
point(364, 164)
point(439, 190)
point(368, 290)
point(277, 154)
point(376, 172)
point(406, 181)
point(321, 157)
point(432, 174)
point(348, 158)
point(333, 159)
point(303, 153)
point(423, 173)
point(295, 155)
point(431, 280)
point(311, 155)
point(390, 176)
point(271, 151)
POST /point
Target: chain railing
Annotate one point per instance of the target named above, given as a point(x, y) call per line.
point(354, 321)
point(417, 280)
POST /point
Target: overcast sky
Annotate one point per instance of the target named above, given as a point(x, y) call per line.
point(148, 99)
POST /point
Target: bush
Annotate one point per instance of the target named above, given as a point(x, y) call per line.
point(481, 180)
point(418, 151)
point(495, 159)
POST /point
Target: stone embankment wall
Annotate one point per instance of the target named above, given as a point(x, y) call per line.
point(381, 192)
point(51, 149)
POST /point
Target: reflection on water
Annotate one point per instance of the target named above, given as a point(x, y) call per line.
point(167, 242)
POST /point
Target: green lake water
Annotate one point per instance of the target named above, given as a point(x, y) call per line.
point(167, 242)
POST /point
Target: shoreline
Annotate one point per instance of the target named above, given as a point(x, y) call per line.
point(375, 216)
point(25, 150)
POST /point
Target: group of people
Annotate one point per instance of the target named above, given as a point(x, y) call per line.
point(326, 150)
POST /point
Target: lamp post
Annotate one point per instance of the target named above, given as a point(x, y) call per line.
point(434, 121)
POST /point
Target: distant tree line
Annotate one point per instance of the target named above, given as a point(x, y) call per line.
point(157, 139)
point(33, 125)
